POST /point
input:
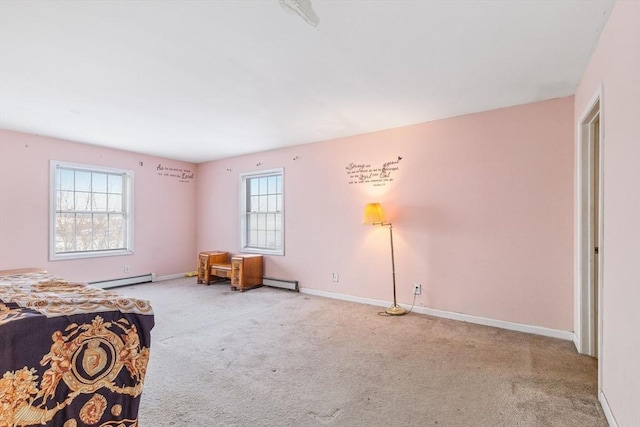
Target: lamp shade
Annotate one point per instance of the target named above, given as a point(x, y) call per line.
point(373, 214)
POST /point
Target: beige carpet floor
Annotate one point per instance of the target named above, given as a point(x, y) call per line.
point(271, 357)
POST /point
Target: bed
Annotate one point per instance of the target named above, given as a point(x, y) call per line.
point(71, 355)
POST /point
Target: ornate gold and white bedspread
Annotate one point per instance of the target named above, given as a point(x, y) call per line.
point(52, 296)
point(70, 354)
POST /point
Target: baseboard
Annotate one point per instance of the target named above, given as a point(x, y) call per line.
point(576, 342)
point(502, 324)
point(106, 284)
point(344, 297)
point(606, 409)
point(167, 277)
point(292, 285)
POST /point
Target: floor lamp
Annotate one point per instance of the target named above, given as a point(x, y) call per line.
point(374, 215)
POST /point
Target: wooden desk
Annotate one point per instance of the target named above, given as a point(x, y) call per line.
point(244, 271)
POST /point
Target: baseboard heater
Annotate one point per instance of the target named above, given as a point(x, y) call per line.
point(123, 282)
point(280, 283)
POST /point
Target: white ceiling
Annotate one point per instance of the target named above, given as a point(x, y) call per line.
point(204, 80)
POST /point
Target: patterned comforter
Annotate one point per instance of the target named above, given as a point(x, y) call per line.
point(71, 355)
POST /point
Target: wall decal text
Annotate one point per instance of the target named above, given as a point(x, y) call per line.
point(365, 173)
point(182, 175)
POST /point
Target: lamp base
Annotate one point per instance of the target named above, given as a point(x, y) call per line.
point(395, 310)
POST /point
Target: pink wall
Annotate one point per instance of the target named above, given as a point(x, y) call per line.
point(616, 65)
point(164, 210)
point(482, 207)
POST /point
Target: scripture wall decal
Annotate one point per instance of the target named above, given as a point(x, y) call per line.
point(182, 175)
point(378, 176)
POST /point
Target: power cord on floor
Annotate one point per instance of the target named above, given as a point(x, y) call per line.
point(384, 313)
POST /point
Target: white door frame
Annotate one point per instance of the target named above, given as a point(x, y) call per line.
point(585, 314)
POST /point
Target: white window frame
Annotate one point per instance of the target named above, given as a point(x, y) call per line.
point(244, 179)
point(128, 210)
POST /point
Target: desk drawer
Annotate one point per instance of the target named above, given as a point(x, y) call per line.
point(220, 272)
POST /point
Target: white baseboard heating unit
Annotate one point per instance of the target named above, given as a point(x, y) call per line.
point(123, 282)
point(280, 283)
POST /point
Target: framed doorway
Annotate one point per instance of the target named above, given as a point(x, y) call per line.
point(589, 230)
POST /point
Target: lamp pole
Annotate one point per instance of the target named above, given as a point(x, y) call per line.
point(394, 310)
point(393, 265)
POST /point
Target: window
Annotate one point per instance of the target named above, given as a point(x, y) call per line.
point(91, 211)
point(262, 212)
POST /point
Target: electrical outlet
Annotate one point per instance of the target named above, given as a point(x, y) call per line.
point(335, 277)
point(126, 268)
point(417, 288)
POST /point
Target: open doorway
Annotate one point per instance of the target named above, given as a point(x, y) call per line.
point(589, 230)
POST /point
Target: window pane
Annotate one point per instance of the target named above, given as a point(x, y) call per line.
point(272, 203)
point(253, 185)
point(263, 185)
point(279, 184)
point(253, 222)
point(278, 239)
point(116, 231)
point(114, 203)
point(114, 184)
point(271, 222)
point(261, 240)
point(99, 202)
point(271, 239)
point(278, 221)
point(66, 201)
point(272, 185)
point(279, 203)
point(253, 238)
point(261, 221)
point(99, 182)
point(84, 237)
point(100, 231)
point(65, 232)
point(262, 206)
point(83, 201)
point(66, 180)
point(83, 181)
point(254, 204)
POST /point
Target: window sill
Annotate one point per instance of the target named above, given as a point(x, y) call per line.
point(250, 250)
point(96, 254)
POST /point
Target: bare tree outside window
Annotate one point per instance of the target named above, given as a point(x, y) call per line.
point(263, 207)
point(90, 213)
